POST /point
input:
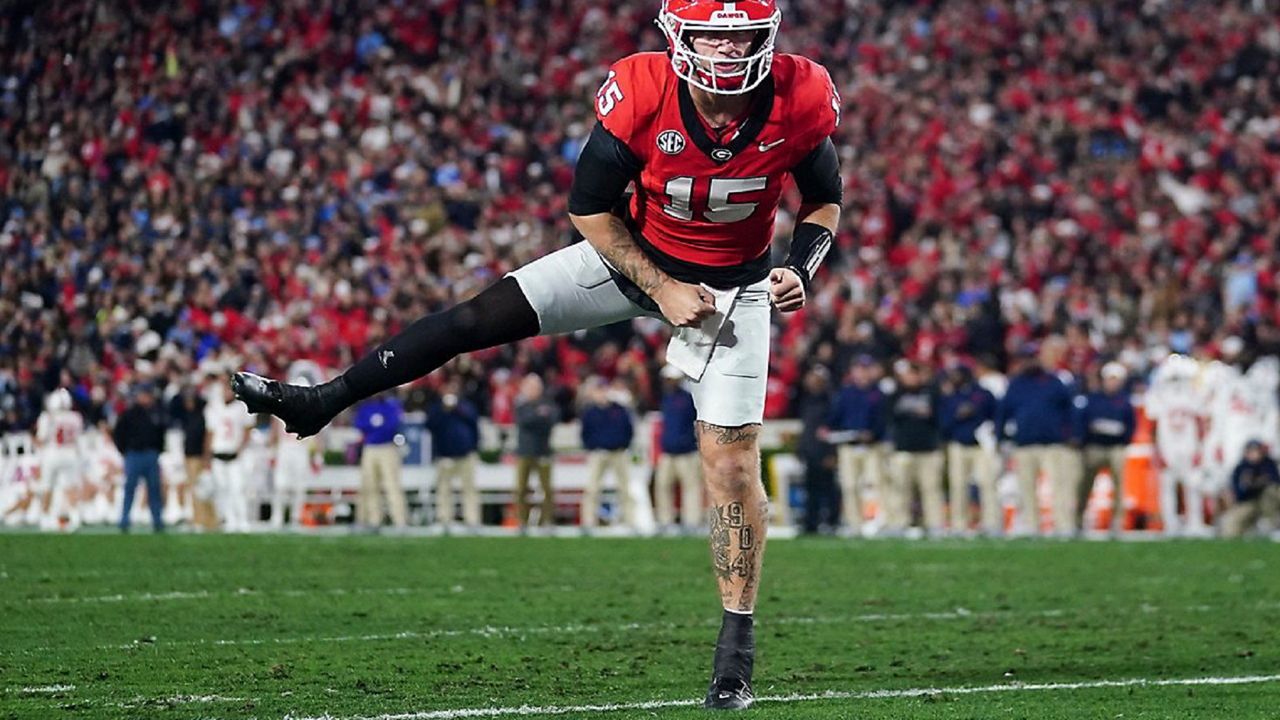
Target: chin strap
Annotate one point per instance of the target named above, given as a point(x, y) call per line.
point(809, 246)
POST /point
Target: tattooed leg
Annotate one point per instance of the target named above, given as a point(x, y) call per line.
point(739, 510)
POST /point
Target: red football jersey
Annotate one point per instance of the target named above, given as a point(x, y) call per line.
point(701, 200)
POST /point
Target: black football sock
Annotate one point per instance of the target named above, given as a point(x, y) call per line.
point(736, 646)
point(500, 314)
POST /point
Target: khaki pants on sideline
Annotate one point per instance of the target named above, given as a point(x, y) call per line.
point(975, 463)
point(464, 470)
point(859, 467)
point(916, 470)
point(381, 465)
point(203, 514)
point(1061, 466)
point(1097, 457)
point(1241, 517)
point(599, 462)
point(525, 466)
point(686, 469)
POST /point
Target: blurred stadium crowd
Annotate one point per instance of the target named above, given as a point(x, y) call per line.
point(251, 183)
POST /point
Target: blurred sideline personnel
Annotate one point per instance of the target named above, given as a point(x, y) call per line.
point(916, 463)
point(821, 504)
point(678, 463)
point(187, 412)
point(607, 431)
point(1255, 489)
point(58, 440)
point(708, 132)
point(454, 424)
point(967, 411)
point(139, 435)
point(1106, 424)
point(1177, 407)
point(536, 416)
point(858, 427)
point(1038, 407)
point(378, 421)
point(227, 429)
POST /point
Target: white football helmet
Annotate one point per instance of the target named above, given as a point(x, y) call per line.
point(58, 401)
point(723, 76)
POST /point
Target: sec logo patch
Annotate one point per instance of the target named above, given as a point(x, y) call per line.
point(671, 142)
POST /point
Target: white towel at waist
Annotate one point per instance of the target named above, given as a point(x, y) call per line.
point(691, 347)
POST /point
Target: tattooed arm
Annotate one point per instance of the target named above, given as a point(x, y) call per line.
point(605, 168)
point(682, 304)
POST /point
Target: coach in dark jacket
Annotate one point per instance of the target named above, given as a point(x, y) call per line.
point(821, 507)
point(1036, 412)
point(606, 436)
point(1106, 422)
point(536, 415)
point(139, 435)
point(679, 462)
point(857, 422)
point(187, 414)
point(454, 424)
point(916, 463)
point(965, 407)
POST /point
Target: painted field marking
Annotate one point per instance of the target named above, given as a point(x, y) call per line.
point(525, 710)
point(205, 595)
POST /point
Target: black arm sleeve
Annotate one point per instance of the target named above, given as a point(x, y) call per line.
point(605, 168)
point(818, 175)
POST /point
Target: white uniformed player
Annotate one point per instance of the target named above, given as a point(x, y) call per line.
point(1243, 407)
point(297, 461)
point(227, 426)
point(1177, 407)
point(58, 435)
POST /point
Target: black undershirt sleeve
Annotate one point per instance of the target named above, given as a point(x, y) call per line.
point(818, 175)
point(605, 168)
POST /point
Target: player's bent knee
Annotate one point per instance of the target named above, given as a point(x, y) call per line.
point(730, 458)
point(732, 474)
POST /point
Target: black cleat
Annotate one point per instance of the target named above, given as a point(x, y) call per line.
point(304, 410)
point(728, 694)
point(734, 660)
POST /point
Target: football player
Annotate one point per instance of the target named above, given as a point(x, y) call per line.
point(1177, 406)
point(1243, 406)
point(226, 437)
point(58, 432)
point(708, 132)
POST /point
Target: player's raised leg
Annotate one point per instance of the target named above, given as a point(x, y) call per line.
point(568, 290)
point(739, 518)
point(500, 314)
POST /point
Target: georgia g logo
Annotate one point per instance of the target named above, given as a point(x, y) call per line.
point(671, 142)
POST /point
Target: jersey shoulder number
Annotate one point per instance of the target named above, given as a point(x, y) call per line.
point(630, 94)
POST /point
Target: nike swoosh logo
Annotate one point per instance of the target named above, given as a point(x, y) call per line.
point(766, 147)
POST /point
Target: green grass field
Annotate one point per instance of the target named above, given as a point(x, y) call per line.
point(101, 626)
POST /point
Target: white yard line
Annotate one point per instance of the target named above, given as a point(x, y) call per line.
point(205, 594)
point(46, 689)
point(503, 631)
point(526, 710)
